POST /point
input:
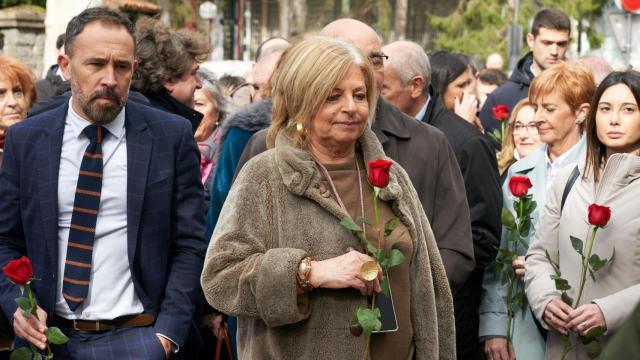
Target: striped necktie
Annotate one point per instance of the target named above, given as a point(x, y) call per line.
point(77, 268)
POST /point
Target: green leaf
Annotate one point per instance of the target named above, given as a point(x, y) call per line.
point(379, 255)
point(371, 249)
point(525, 227)
point(390, 225)
point(562, 284)
point(529, 206)
point(349, 224)
point(395, 258)
point(27, 313)
point(508, 220)
point(23, 303)
point(384, 284)
point(577, 245)
point(556, 269)
point(22, 353)
point(566, 298)
point(595, 332)
point(37, 356)
point(596, 263)
point(369, 320)
point(594, 348)
point(55, 336)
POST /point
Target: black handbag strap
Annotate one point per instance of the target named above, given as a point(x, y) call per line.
point(567, 188)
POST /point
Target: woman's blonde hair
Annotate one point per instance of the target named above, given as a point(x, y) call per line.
point(305, 76)
point(505, 156)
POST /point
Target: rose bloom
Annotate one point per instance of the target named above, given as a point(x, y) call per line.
point(19, 271)
point(519, 186)
point(379, 173)
point(500, 112)
point(599, 215)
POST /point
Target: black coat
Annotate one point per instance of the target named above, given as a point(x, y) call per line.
point(163, 101)
point(509, 93)
point(477, 160)
point(52, 85)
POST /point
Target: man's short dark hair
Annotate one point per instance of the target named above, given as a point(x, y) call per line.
point(552, 19)
point(100, 13)
point(492, 77)
point(60, 41)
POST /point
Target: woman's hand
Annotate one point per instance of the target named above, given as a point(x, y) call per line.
point(343, 272)
point(556, 315)
point(585, 317)
point(467, 107)
point(497, 349)
point(518, 266)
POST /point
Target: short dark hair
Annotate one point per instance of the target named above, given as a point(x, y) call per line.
point(595, 148)
point(550, 18)
point(492, 77)
point(60, 41)
point(100, 13)
point(446, 66)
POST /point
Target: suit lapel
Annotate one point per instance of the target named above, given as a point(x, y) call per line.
point(139, 143)
point(48, 167)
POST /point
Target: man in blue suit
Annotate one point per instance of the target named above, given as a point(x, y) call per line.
point(104, 196)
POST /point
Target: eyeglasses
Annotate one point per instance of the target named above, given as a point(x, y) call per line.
point(377, 59)
point(531, 128)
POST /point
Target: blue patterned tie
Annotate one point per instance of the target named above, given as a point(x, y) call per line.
point(77, 268)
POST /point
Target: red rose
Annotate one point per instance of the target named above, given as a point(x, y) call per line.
point(500, 112)
point(379, 173)
point(19, 271)
point(519, 185)
point(599, 215)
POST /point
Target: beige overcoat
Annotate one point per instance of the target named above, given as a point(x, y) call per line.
point(275, 216)
point(617, 286)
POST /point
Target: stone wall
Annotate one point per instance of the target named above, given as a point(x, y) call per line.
point(23, 31)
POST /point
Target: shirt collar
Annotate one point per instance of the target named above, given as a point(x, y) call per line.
point(423, 111)
point(78, 123)
point(533, 70)
point(562, 159)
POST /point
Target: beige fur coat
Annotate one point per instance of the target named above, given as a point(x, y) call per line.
point(275, 216)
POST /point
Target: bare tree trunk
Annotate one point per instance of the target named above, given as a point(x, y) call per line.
point(299, 16)
point(284, 18)
point(165, 15)
point(400, 20)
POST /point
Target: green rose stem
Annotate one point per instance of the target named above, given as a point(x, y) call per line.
point(502, 135)
point(512, 279)
point(585, 265)
point(376, 209)
point(34, 312)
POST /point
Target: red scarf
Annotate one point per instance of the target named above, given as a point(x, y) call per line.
point(2, 141)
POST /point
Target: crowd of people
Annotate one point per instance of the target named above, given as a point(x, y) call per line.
point(159, 211)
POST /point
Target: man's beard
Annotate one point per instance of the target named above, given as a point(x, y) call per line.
point(99, 114)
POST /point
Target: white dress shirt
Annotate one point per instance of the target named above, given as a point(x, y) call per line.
point(560, 162)
point(111, 292)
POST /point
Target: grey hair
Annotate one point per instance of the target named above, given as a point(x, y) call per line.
point(211, 85)
point(408, 59)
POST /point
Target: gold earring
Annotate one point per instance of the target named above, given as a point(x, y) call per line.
point(300, 129)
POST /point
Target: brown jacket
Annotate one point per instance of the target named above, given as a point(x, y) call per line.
point(425, 154)
point(275, 216)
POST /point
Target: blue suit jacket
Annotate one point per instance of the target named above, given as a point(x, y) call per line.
point(164, 212)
